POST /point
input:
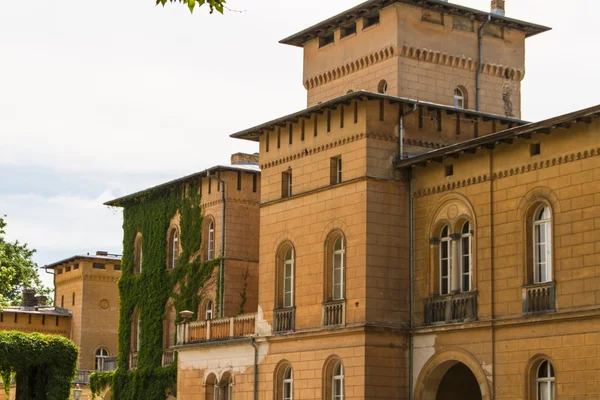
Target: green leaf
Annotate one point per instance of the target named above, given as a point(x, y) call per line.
point(191, 5)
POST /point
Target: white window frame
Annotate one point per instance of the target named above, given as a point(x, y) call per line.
point(174, 239)
point(337, 377)
point(137, 334)
point(341, 255)
point(459, 98)
point(100, 358)
point(288, 262)
point(208, 311)
point(338, 170)
point(466, 236)
point(542, 270)
point(545, 383)
point(211, 240)
point(288, 382)
point(288, 176)
point(445, 241)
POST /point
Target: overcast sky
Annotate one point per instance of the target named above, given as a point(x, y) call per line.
point(100, 99)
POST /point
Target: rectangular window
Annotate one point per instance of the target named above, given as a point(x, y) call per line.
point(267, 143)
point(535, 149)
point(286, 184)
point(348, 30)
point(303, 123)
point(342, 117)
point(239, 180)
point(29, 319)
point(43, 319)
point(219, 181)
point(68, 268)
point(336, 170)
point(98, 266)
point(326, 40)
point(328, 121)
point(356, 112)
point(445, 262)
point(254, 182)
point(291, 133)
point(57, 320)
point(75, 266)
point(316, 125)
point(370, 20)
point(279, 138)
point(448, 170)
point(58, 271)
point(462, 24)
point(209, 185)
point(117, 267)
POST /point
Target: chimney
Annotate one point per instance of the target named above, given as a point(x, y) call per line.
point(40, 301)
point(28, 297)
point(498, 7)
point(102, 253)
point(243, 158)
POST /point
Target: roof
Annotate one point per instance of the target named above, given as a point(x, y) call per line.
point(244, 167)
point(507, 136)
point(40, 310)
point(372, 6)
point(253, 134)
point(110, 257)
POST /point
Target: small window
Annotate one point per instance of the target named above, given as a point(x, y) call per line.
point(98, 266)
point(173, 250)
point(59, 271)
point(448, 170)
point(117, 267)
point(459, 98)
point(286, 184)
point(326, 40)
point(348, 30)
point(75, 266)
point(382, 87)
point(57, 319)
point(101, 355)
point(73, 300)
point(209, 185)
point(303, 129)
point(290, 134)
point(370, 20)
point(279, 138)
point(545, 382)
point(328, 121)
point(288, 278)
point(211, 240)
point(68, 268)
point(315, 125)
point(138, 255)
point(62, 301)
point(267, 142)
point(208, 311)
point(254, 183)
point(239, 180)
point(336, 170)
point(356, 112)
point(535, 149)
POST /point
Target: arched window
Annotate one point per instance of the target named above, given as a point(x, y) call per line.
point(208, 311)
point(333, 379)
point(229, 391)
point(337, 383)
point(338, 268)
point(169, 327)
point(173, 249)
point(382, 87)
point(101, 354)
point(445, 260)
point(211, 388)
point(459, 98)
point(542, 245)
point(137, 268)
point(211, 240)
point(466, 256)
point(288, 278)
point(288, 384)
point(545, 387)
point(135, 331)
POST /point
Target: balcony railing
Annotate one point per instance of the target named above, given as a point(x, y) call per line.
point(540, 298)
point(168, 357)
point(133, 359)
point(460, 307)
point(334, 313)
point(285, 320)
point(82, 377)
point(216, 329)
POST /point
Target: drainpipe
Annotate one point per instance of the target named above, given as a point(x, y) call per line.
point(255, 368)
point(221, 263)
point(401, 117)
point(53, 281)
point(480, 69)
point(411, 262)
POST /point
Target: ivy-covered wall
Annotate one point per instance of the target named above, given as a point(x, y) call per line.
point(149, 291)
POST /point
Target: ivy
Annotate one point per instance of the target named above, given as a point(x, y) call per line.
point(44, 365)
point(150, 291)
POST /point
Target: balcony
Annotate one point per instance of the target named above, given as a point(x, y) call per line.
point(168, 357)
point(334, 313)
point(82, 377)
point(216, 329)
point(539, 298)
point(285, 320)
point(133, 359)
point(453, 308)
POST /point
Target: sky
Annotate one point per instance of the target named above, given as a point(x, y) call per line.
point(101, 99)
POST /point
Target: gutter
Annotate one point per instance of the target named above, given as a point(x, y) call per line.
point(253, 343)
point(222, 262)
point(480, 68)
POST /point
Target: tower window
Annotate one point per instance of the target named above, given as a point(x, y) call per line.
point(382, 87)
point(336, 170)
point(286, 184)
point(291, 133)
point(348, 30)
point(448, 170)
point(370, 20)
point(254, 182)
point(326, 40)
point(239, 180)
point(535, 149)
point(459, 98)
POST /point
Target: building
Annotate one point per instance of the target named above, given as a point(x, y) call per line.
point(418, 240)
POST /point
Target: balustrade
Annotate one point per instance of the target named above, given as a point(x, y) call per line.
point(334, 313)
point(540, 298)
point(285, 320)
point(216, 329)
point(453, 308)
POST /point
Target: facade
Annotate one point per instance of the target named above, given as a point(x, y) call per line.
point(417, 240)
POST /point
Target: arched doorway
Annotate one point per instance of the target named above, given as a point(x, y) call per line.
point(458, 383)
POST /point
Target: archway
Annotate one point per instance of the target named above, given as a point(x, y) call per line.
point(458, 383)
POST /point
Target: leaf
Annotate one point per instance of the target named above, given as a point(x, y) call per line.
point(191, 5)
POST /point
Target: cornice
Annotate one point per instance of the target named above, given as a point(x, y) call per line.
point(101, 278)
point(415, 53)
point(235, 201)
point(509, 172)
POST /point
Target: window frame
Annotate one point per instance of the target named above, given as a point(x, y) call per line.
point(544, 222)
point(100, 358)
point(549, 380)
point(209, 310)
point(466, 236)
point(288, 382)
point(173, 244)
point(288, 262)
point(341, 253)
point(445, 240)
point(335, 377)
point(459, 98)
point(210, 251)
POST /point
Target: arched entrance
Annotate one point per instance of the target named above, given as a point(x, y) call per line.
point(452, 375)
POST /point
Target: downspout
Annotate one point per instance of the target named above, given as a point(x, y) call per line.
point(493, 280)
point(222, 262)
point(401, 116)
point(255, 368)
point(480, 68)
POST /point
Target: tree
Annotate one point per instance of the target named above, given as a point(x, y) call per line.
point(213, 5)
point(17, 270)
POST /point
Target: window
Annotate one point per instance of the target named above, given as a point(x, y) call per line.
point(328, 121)
point(370, 21)
point(336, 170)
point(459, 98)
point(466, 243)
point(286, 183)
point(279, 138)
point(288, 384)
point(348, 30)
point(173, 251)
point(62, 301)
point(382, 87)
point(98, 266)
point(135, 332)
point(101, 354)
point(290, 134)
point(75, 266)
point(542, 245)
point(211, 240)
point(302, 129)
point(254, 183)
point(325, 40)
point(239, 180)
point(208, 311)
point(58, 271)
point(73, 299)
point(137, 268)
point(288, 278)
point(209, 185)
point(267, 142)
point(338, 382)
point(338, 268)
point(534, 149)
point(68, 268)
point(445, 260)
point(333, 379)
point(117, 267)
point(448, 170)
point(545, 389)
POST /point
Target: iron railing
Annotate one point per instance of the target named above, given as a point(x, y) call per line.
point(452, 308)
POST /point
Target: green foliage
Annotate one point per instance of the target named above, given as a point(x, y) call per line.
point(213, 5)
point(44, 365)
point(17, 270)
point(243, 293)
point(150, 291)
point(100, 381)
